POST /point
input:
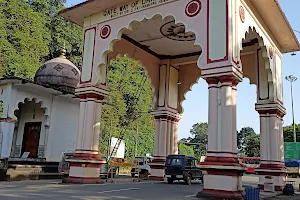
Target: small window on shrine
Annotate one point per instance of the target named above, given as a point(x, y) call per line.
point(1, 109)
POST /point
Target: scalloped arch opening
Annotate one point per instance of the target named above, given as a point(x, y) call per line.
point(187, 91)
point(259, 55)
point(35, 101)
point(248, 81)
point(153, 94)
point(113, 50)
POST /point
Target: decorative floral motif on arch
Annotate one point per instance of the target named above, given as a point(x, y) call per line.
point(35, 100)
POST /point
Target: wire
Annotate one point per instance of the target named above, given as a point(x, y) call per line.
point(296, 31)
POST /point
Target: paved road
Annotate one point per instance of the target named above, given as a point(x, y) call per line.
point(145, 190)
point(46, 190)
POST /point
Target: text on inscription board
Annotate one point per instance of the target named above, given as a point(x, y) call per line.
point(129, 8)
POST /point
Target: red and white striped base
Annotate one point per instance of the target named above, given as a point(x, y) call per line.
point(223, 179)
point(84, 168)
point(157, 168)
point(274, 169)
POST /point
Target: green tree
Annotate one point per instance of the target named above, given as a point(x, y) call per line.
point(185, 150)
point(23, 39)
point(248, 142)
point(130, 94)
point(32, 32)
point(288, 133)
point(63, 32)
point(252, 146)
point(199, 132)
point(242, 136)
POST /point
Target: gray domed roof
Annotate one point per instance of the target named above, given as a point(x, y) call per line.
point(58, 73)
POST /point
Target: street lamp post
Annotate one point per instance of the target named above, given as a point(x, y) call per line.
point(292, 79)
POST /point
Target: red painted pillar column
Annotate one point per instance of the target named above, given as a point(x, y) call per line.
point(160, 144)
point(271, 145)
point(224, 178)
point(165, 141)
point(85, 164)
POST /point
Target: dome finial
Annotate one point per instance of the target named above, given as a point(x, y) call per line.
point(63, 52)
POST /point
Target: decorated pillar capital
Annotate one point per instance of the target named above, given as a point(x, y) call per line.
point(166, 114)
point(98, 98)
point(169, 118)
point(274, 109)
point(91, 92)
point(234, 84)
point(212, 80)
point(279, 113)
point(229, 79)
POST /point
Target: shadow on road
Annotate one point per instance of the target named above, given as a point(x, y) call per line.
point(180, 183)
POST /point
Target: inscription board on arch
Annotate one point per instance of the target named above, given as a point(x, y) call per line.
point(129, 8)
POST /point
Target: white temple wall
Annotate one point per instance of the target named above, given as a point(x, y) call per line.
point(5, 97)
point(59, 116)
point(63, 127)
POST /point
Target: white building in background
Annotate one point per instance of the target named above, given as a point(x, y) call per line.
point(40, 117)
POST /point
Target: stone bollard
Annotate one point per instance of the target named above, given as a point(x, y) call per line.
point(269, 185)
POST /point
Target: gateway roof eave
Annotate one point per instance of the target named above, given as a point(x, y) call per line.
point(272, 16)
point(269, 12)
point(88, 8)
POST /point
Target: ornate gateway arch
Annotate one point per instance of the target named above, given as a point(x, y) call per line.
point(179, 41)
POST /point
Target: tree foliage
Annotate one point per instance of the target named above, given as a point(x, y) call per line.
point(252, 146)
point(130, 97)
point(199, 140)
point(242, 136)
point(248, 142)
point(185, 150)
point(23, 39)
point(288, 133)
point(31, 32)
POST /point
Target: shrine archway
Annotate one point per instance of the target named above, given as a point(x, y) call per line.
point(218, 30)
point(266, 75)
point(30, 134)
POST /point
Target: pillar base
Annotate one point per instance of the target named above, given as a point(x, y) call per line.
point(219, 194)
point(157, 168)
point(82, 180)
point(276, 171)
point(223, 179)
point(277, 187)
point(84, 168)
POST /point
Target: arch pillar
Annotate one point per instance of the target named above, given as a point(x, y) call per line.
point(224, 178)
point(85, 164)
point(165, 141)
point(166, 119)
point(271, 144)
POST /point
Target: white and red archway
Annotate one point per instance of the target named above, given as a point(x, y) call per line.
point(179, 41)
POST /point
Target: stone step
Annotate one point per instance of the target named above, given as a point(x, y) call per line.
point(32, 176)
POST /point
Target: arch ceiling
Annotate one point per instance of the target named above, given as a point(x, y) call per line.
point(162, 38)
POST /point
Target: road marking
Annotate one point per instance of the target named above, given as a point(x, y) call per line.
point(120, 183)
point(119, 190)
point(192, 195)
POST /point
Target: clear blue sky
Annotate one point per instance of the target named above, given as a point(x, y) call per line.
point(195, 106)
